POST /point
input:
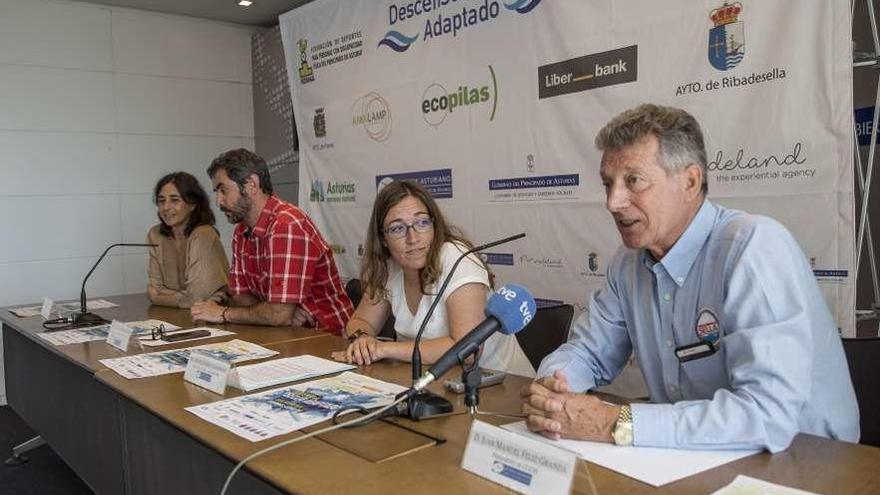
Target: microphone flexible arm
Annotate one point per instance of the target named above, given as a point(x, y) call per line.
point(417, 355)
point(82, 293)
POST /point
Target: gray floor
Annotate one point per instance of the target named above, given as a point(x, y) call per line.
point(44, 474)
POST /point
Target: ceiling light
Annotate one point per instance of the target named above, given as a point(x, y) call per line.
point(245, 3)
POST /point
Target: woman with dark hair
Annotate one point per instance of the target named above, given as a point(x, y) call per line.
point(408, 253)
point(189, 263)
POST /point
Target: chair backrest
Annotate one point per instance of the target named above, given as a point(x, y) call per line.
point(355, 292)
point(547, 331)
point(862, 355)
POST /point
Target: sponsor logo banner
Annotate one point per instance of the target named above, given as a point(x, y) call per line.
point(540, 188)
point(592, 71)
point(439, 102)
point(437, 182)
point(503, 259)
point(335, 192)
point(373, 113)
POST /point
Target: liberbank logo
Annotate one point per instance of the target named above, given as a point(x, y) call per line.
point(373, 113)
point(438, 102)
point(592, 71)
point(446, 21)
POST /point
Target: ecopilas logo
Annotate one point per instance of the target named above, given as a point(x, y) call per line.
point(438, 102)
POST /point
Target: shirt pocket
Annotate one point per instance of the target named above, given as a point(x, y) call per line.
point(700, 378)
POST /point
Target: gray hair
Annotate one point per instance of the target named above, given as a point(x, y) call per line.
point(678, 134)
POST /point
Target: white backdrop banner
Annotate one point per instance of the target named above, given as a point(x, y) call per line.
point(493, 106)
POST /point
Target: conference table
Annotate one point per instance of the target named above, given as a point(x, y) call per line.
point(135, 437)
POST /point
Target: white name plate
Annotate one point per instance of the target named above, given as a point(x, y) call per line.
point(207, 372)
point(522, 464)
point(119, 335)
point(46, 310)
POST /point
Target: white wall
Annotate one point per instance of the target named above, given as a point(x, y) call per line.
point(97, 103)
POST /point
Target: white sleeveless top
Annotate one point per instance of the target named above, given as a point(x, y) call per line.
point(501, 352)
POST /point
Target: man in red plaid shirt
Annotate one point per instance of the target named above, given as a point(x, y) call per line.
point(282, 269)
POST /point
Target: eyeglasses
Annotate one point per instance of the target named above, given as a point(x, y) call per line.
point(398, 230)
point(157, 333)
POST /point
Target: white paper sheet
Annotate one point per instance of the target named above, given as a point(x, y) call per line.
point(277, 371)
point(653, 466)
point(28, 311)
point(99, 332)
point(174, 361)
point(746, 485)
point(283, 410)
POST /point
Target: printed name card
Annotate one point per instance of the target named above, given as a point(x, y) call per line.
point(46, 310)
point(522, 464)
point(119, 335)
point(207, 371)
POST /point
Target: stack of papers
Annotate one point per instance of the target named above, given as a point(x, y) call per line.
point(174, 361)
point(99, 332)
point(277, 371)
point(283, 410)
point(28, 311)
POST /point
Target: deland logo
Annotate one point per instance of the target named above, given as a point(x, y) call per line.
point(437, 102)
point(335, 192)
point(727, 42)
point(373, 113)
point(592, 71)
point(444, 24)
point(306, 74)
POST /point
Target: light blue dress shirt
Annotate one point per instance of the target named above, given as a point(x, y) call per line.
point(779, 368)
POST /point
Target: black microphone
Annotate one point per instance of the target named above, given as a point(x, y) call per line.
point(426, 403)
point(508, 310)
point(84, 317)
point(417, 355)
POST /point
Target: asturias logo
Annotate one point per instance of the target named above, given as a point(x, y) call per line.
point(727, 42)
point(373, 113)
point(438, 102)
point(444, 24)
point(335, 192)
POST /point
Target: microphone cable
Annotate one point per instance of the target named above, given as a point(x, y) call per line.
point(369, 418)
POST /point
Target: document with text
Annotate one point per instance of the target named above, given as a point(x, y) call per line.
point(174, 361)
point(99, 332)
point(278, 371)
point(283, 410)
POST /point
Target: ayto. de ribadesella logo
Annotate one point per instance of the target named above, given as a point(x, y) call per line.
point(443, 23)
point(727, 43)
point(373, 113)
point(438, 102)
point(319, 123)
point(592, 71)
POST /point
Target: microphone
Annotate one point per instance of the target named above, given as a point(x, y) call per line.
point(426, 403)
point(417, 355)
point(508, 310)
point(84, 317)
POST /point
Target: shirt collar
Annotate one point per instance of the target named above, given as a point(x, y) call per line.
point(680, 258)
point(265, 216)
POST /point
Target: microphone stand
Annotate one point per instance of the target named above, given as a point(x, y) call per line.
point(426, 403)
point(84, 318)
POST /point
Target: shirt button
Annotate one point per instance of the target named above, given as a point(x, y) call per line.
point(668, 343)
point(680, 280)
point(667, 297)
point(671, 387)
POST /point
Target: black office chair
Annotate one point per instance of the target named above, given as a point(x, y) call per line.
point(863, 354)
point(355, 292)
point(547, 331)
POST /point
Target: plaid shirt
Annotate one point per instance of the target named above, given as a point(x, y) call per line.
point(284, 259)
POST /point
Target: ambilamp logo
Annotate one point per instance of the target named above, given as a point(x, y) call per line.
point(373, 113)
point(438, 102)
point(446, 21)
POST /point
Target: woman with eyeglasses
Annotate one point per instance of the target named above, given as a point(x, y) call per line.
point(188, 263)
point(408, 253)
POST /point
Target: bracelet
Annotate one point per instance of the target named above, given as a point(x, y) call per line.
point(224, 315)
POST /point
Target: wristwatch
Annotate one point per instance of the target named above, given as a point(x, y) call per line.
point(623, 429)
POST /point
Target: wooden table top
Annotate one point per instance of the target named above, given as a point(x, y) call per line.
point(316, 466)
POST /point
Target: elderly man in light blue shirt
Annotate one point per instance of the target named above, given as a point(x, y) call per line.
point(719, 307)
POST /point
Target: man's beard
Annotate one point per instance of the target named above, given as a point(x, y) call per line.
point(240, 210)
